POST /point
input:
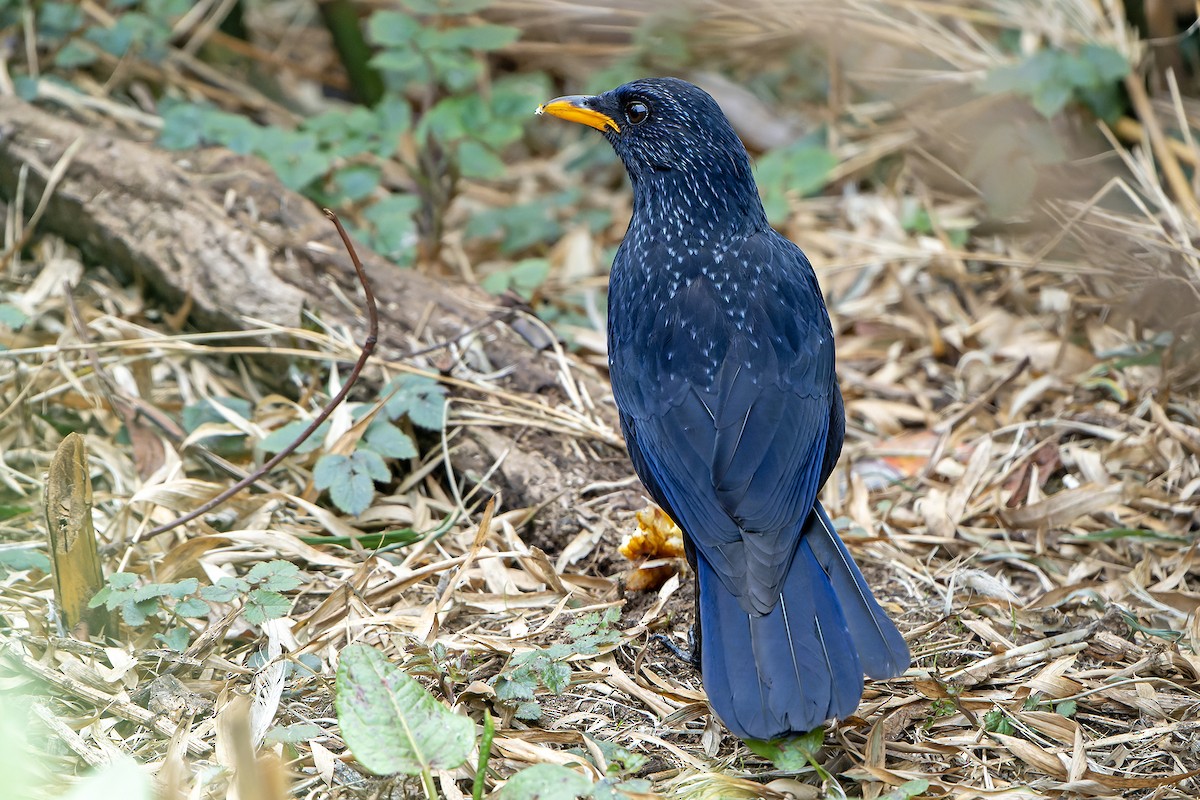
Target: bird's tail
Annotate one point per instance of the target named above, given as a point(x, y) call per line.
point(791, 670)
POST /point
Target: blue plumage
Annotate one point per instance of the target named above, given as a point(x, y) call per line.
point(722, 363)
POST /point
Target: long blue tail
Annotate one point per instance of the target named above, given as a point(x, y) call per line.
point(791, 670)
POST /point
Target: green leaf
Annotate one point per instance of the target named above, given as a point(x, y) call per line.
point(21, 560)
point(1051, 97)
point(192, 607)
point(557, 677)
point(389, 441)
point(12, 317)
point(996, 721)
point(72, 55)
point(393, 29)
point(203, 412)
point(546, 782)
point(277, 575)
point(329, 469)
point(182, 127)
point(225, 590)
point(1109, 65)
point(180, 589)
point(801, 168)
point(136, 613)
point(393, 231)
point(792, 753)
point(907, 791)
point(390, 722)
point(620, 760)
point(524, 277)
point(56, 21)
point(477, 161)
point(263, 604)
point(295, 733)
point(517, 685)
point(480, 37)
point(285, 434)
point(350, 479)
point(356, 182)
point(457, 6)
point(613, 789)
point(405, 66)
point(176, 639)
point(419, 397)
point(529, 711)
point(295, 156)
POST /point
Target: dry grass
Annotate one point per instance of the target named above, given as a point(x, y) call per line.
point(1021, 480)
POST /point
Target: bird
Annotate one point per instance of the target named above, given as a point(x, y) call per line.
point(721, 357)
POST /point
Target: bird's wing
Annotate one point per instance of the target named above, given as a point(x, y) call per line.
point(727, 388)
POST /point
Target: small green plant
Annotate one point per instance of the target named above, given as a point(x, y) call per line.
point(12, 318)
point(171, 604)
point(1053, 78)
point(801, 168)
point(917, 219)
point(351, 478)
point(996, 721)
point(517, 685)
point(393, 725)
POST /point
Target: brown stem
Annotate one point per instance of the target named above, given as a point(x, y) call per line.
point(368, 347)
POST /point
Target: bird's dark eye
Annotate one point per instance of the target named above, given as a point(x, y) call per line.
point(636, 111)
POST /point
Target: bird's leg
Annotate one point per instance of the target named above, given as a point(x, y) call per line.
point(691, 656)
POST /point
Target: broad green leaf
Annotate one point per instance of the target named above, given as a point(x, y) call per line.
point(56, 21)
point(480, 37)
point(12, 317)
point(73, 54)
point(546, 782)
point(20, 560)
point(285, 434)
point(277, 575)
point(393, 29)
point(176, 639)
point(225, 590)
point(192, 607)
point(295, 157)
point(295, 733)
point(477, 161)
point(350, 479)
point(557, 677)
point(907, 791)
point(792, 753)
point(389, 441)
point(529, 711)
point(390, 722)
point(419, 397)
point(203, 412)
point(182, 127)
point(1110, 66)
point(356, 182)
point(329, 469)
point(136, 613)
point(263, 604)
point(393, 231)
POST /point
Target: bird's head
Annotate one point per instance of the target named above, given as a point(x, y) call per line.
point(665, 128)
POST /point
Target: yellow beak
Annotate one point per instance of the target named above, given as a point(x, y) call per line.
point(572, 109)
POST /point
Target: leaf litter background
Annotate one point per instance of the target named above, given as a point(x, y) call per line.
point(1019, 482)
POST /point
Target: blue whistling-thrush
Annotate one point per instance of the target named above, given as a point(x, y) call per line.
point(722, 362)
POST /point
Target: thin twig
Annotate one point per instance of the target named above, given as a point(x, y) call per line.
point(368, 348)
